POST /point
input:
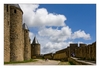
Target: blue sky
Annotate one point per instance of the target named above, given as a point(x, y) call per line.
point(58, 25)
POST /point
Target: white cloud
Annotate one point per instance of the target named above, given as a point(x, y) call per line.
point(34, 16)
point(79, 42)
point(52, 47)
point(63, 34)
point(31, 35)
point(55, 34)
point(28, 13)
point(81, 34)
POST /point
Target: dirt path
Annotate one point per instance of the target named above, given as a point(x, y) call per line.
point(39, 62)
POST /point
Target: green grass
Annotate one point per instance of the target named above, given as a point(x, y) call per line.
point(31, 60)
point(71, 63)
point(64, 63)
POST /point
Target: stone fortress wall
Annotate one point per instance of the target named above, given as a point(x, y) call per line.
point(17, 46)
point(6, 33)
point(49, 56)
point(85, 52)
point(16, 36)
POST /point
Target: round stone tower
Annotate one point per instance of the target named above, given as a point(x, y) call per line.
point(35, 48)
point(27, 46)
point(6, 32)
point(16, 40)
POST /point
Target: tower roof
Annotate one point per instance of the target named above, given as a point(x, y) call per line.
point(16, 5)
point(35, 41)
point(25, 26)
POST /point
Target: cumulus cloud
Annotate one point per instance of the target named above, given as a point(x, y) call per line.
point(34, 16)
point(28, 13)
point(81, 34)
point(63, 34)
point(56, 35)
point(52, 47)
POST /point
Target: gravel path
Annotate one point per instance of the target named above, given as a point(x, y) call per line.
point(39, 62)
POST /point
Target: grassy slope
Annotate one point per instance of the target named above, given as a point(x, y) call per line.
point(64, 63)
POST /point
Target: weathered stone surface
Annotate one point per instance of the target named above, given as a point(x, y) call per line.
point(85, 52)
point(94, 51)
point(6, 33)
point(72, 48)
point(48, 56)
point(16, 40)
point(27, 46)
point(60, 56)
point(35, 49)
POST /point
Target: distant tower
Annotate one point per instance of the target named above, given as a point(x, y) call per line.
point(16, 37)
point(6, 33)
point(27, 46)
point(35, 48)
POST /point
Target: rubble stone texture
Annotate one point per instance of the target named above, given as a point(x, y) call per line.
point(35, 48)
point(16, 37)
point(16, 40)
point(85, 52)
point(27, 47)
point(6, 33)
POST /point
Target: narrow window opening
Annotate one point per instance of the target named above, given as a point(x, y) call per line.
point(7, 8)
point(14, 11)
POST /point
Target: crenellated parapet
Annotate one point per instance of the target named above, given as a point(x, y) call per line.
point(83, 51)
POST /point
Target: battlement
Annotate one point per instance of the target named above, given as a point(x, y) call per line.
point(86, 52)
point(82, 45)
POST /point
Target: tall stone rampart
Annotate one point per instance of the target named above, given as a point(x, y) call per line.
point(72, 48)
point(82, 50)
point(16, 40)
point(94, 51)
point(6, 33)
point(48, 56)
point(27, 46)
point(87, 52)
